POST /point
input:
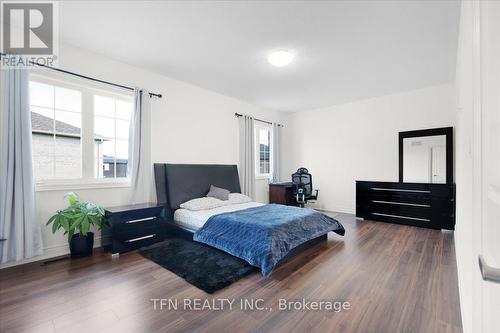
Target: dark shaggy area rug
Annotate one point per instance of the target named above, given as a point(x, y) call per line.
point(203, 266)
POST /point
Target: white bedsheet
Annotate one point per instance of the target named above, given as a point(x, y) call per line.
point(194, 220)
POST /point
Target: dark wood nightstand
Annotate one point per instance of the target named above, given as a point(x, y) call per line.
point(134, 226)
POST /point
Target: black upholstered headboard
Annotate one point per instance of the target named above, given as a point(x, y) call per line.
point(178, 183)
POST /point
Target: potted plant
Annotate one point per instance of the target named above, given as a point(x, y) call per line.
point(76, 221)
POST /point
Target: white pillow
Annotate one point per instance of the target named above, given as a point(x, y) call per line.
point(203, 203)
point(238, 198)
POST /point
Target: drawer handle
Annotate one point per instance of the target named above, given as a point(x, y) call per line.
point(400, 203)
point(489, 273)
point(139, 238)
point(398, 190)
point(403, 217)
point(141, 220)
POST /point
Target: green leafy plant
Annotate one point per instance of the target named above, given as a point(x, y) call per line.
point(78, 217)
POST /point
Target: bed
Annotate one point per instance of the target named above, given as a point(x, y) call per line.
point(263, 235)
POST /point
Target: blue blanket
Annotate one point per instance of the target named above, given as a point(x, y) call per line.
point(264, 235)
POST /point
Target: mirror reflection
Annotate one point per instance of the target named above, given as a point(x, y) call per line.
point(424, 159)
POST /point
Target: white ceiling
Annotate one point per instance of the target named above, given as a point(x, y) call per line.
point(345, 50)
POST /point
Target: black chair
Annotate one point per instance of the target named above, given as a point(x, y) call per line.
point(303, 187)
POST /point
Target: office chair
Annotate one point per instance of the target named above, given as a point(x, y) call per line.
point(302, 187)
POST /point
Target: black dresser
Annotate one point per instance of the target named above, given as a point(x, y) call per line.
point(417, 204)
point(131, 227)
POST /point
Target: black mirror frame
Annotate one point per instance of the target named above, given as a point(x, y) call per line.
point(447, 131)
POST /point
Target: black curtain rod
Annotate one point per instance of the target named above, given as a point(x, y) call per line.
point(262, 121)
point(85, 77)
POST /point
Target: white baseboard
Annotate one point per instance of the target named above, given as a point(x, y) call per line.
point(333, 209)
point(328, 210)
point(50, 252)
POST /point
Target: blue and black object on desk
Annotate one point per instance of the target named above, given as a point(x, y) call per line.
point(134, 226)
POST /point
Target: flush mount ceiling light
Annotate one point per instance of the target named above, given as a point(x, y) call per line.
point(280, 58)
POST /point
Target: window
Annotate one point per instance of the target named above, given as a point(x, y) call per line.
point(263, 149)
point(111, 125)
point(56, 121)
point(79, 132)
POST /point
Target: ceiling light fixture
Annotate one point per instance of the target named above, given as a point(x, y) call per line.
point(280, 58)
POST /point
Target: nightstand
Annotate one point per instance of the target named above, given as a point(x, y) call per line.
point(134, 226)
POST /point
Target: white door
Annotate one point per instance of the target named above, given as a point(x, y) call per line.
point(438, 165)
point(477, 231)
point(490, 159)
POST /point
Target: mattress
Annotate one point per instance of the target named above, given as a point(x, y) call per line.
point(194, 220)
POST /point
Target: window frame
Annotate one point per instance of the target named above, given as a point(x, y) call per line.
point(258, 126)
point(88, 89)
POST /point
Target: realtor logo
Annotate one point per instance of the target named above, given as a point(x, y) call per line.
point(28, 28)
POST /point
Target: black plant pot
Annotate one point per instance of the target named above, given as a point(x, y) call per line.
point(81, 246)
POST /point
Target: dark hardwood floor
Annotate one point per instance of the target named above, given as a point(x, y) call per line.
point(396, 279)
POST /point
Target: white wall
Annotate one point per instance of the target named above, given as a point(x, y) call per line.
point(359, 141)
point(189, 125)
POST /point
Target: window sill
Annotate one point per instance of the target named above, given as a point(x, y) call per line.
point(71, 185)
point(262, 177)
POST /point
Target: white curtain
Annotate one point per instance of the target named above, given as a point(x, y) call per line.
point(18, 223)
point(247, 155)
point(139, 150)
point(276, 151)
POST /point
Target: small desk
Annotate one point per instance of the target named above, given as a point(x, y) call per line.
point(282, 193)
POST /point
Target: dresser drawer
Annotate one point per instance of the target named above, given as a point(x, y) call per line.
point(132, 217)
point(134, 243)
point(126, 231)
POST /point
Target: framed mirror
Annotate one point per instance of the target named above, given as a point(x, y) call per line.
point(426, 156)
